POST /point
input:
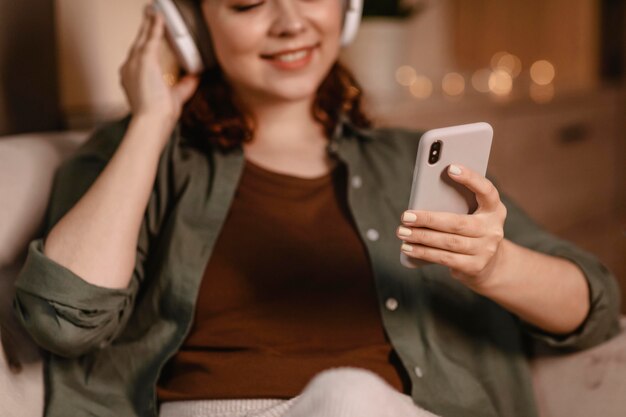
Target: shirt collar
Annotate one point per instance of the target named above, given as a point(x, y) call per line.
point(346, 129)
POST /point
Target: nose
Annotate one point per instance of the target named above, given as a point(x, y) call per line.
point(289, 21)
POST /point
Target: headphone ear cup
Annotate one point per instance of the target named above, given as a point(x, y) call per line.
point(191, 12)
point(353, 10)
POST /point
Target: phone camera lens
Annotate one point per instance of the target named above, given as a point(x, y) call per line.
point(435, 153)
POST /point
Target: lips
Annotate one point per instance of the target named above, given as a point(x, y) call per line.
point(290, 54)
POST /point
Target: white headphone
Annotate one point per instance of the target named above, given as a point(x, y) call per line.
point(351, 20)
point(189, 36)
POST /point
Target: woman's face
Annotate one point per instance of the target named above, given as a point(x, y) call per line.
point(275, 49)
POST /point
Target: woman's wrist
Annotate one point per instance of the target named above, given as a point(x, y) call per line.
point(494, 278)
point(158, 120)
point(154, 128)
point(548, 292)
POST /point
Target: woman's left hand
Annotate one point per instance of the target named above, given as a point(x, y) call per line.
point(469, 244)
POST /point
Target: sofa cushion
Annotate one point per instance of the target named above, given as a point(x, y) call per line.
point(582, 384)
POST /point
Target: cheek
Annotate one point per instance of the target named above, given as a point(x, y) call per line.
point(233, 45)
point(230, 42)
point(328, 21)
point(329, 17)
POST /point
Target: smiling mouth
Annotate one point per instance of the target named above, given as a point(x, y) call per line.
point(291, 56)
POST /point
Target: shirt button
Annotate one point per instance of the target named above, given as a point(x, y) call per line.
point(391, 304)
point(418, 372)
point(357, 182)
point(372, 234)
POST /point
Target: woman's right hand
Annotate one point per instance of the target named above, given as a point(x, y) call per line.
point(142, 75)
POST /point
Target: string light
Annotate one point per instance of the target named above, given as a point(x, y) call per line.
point(509, 63)
point(542, 72)
point(495, 59)
point(405, 75)
point(453, 84)
point(421, 87)
point(497, 80)
point(480, 80)
point(500, 83)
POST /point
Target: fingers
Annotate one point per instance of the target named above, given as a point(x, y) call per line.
point(151, 31)
point(155, 32)
point(144, 46)
point(144, 29)
point(466, 244)
point(452, 260)
point(185, 88)
point(486, 193)
point(447, 241)
point(458, 224)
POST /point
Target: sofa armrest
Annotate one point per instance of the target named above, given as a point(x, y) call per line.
point(22, 387)
point(27, 166)
point(587, 383)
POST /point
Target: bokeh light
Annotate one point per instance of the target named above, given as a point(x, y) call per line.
point(405, 75)
point(500, 83)
point(421, 87)
point(509, 63)
point(495, 59)
point(453, 84)
point(480, 80)
point(542, 72)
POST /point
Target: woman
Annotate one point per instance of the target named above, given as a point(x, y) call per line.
point(218, 264)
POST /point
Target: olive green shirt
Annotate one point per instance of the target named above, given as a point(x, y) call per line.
point(465, 355)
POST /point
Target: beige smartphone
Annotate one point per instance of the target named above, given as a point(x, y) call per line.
point(433, 189)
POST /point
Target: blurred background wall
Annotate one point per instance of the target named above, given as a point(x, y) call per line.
point(29, 92)
point(547, 74)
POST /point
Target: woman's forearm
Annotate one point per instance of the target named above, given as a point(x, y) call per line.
point(97, 238)
point(548, 292)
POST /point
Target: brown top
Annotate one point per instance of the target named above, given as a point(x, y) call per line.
point(287, 293)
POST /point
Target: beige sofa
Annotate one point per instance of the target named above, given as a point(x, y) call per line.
point(584, 384)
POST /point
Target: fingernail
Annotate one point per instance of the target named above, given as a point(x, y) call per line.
point(149, 10)
point(404, 231)
point(409, 217)
point(407, 248)
point(454, 170)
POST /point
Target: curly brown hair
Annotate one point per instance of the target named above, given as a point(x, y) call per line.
point(216, 115)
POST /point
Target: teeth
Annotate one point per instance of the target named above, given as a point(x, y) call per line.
point(294, 56)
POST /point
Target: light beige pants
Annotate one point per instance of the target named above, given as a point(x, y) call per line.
point(338, 392)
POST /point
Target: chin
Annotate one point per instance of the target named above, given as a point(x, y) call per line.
point(282, 86)
point(295, 91)
point(296, 88)
point(287, 90)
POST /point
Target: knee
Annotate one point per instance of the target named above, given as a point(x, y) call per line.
point(357, 390)
point(347, 382)
point(348, 392)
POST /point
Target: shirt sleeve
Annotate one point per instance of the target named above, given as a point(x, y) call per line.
point(602, 321)
point(64, 313)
